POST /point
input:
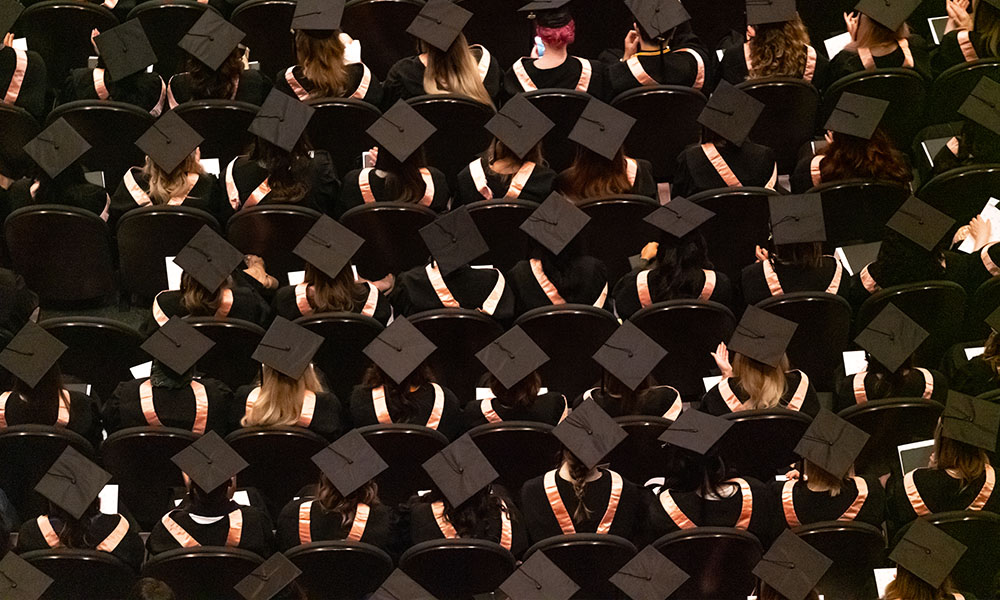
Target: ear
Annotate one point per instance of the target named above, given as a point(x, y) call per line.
point(232, 487)
point(751, 32)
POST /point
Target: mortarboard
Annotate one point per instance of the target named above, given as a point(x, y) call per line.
point(649, 576)
point(921, 223)
point(460, 470)
point(350, 462)
point(602, 128)
point(993, 320)
point(169, 141)
point(657, 17)
point(797, 219)
point(888, 13)
point(762, 336)
point(696, 431)
point(630, 355)
point(399, 349)
point(269, 579)
point(209, 258)
point(928, 552)
point(177, 345)
point(731, 113)
point(891, 337)
point(209, 461)
point(318, 15)
point(125, 49)
point(519, 125)
point(983, 105)
point(831, 443)
point(73, 482)
point(512, 357)
point(328, 246)
point(454, 240)
point(31, 354)
point(538, 578)
point(679, 217)
point(401, 130)
point(57, 147)
point(10, 10)
point(792, 567)
point(400, 586)
point(552, 14)
point(281, 120)
point(856, 115)
point(589, 433)
point(971, 421)
point(555, 223)
point(287, 347)
point(439, 23)
point(211, 39)
point(20, 580)
point(760, 12)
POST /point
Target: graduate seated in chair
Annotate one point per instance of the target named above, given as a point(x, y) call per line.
point(880, 39)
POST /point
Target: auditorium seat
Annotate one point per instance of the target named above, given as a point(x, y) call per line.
point(666, 123)
point(458, 333)
point(111, 128)
point(703, 551)
point(79, 574)
point(381, 25)
point(855, 549)
point(340, 358)
point(789, 117)
point(340, 570)
point(499, 221)
point(498, 26)
point(60, 31)
point(223, 124)
point(460, 137)
point(392, 239)
point(905, 89)
point(563, 108)
point(268, 25)
point(856, 210)
point(890, 423)
point(404, 448)
point(340, 127)
point(459, 568)
point(271, 231)
point(952, 87)
point(978, 571)
point(962, 192)
point(19, 128)
point(589, 559)
point(641, 456)
point(28, 451)
point(741, 222)
point(100, 351)
point(165, 23)
point(202, 572)
point(743, 451)
point(229, 360)
point(616, 230)
point(518, 450)
point(984, 301)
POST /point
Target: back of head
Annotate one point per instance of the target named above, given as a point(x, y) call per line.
point(807, 255)
point(332, 294)
point(872, 34)
point(163, 185)
point(454, 72)
point(907, 586)
point(849, 157)
point(322, 61)
point(148, 588)
point(779, 49)
point(399, 397)
point(769, 593)
point(980, 143)
point(219, 83)
point(593, 176)
point(286, 170)
point(43, 399)
point(765, 384)
point(679, 265)
point(211, 502)
point(471, 519)
point(403, 180)
point(521, 395)
point(281, 397)
point(196, 299)
point(987, 25)
point(332, 500)
point(963, 461)
point(901, 260)
point(557, 35)
point(578, 473)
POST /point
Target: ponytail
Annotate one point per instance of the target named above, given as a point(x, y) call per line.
point(578, 473)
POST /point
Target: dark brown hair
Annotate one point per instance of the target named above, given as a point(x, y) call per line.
point(593, 176)
point(849, 157)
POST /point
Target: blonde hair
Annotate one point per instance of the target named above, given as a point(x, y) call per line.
point(454, 72)
point(872, 34)
point(822, 479)
point(766, 385)
point(322, 62)
point(779, 49)
point(280, 398)
point(164, 186)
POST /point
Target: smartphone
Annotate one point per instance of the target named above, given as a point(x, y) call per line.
point(539, 46)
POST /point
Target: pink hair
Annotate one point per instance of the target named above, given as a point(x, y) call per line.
point(559, 36)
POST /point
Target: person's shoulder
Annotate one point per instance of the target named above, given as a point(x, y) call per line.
point(409, 66)
point(752, 270)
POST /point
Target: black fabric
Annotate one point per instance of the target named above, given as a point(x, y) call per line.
point(581, 281)
point(536, 189)
point(252, 88)
point(350, 192)
point(405, 79)
point(317, 173)
point(84, 415)
point(752, 164)
point(713, 404)
point(83, 195)
point(256, 536)
point(734, 68)
point(546, 408)
point(355, 73)
point(793, 279)
point(645, 184)
point(566, 77)
point(32, 94)
point(417, 413)
point(975, 377)
point(175, 407)
point(141, 89)
point(284, 304)
point(939, 491)
point(247, 306)
point(913, 387)
point(626, 292)
point(949, 53)
point(653, 402)
point(670, 68)
point(17, 303)
point(812, 507)
point(847, 62)
point(205, 195)
point(424, 528)
point(129, 550)
point(471, 287)
point(328, 419)
point(326, 525)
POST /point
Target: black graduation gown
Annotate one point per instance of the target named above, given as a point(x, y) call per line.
point(805, 506)
point(125, 545)
point(734, 67)
point(915, 386)
point(584, 281)
point(575, 73)
point(687, 64)
point(84, 195)
point(830, 277)
point(938, 492)
point(205, 195)
point(628, 517)
point(286, 304)
point(253, 87)
point(356, 75)
point(247, 306)
point(327, 418)
point(243, 181)
point(424, 527)
point(173, 407)
point(802, 178)
point(657, 401)
point(847, 62)
point(405, 79)
point(752, 165)
point(628, 302)
point(351, 196)
point(255, 533)
point(644, 184)
point(148, 91)
point(17, 302)
point(84, 416)
point(471, 288)
point(974, 269)
point(536, 188)
point(975, 377)
point(958, 47)
point(546, 408)
point(30, 95)
point(363, 410)
point(713, 401)
point(324, 525)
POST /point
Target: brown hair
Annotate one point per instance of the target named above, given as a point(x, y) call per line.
point(164, 186)
point(280, 399)
point(593, 176)
point(991, 353)
point(769, 593)
point(807, 255)
point(332, 501)
point(965, 461)
point(987, 25)
point(322, 61)
point(907, 586)
point(398, 396)
point(779, 49)
point(75, 533)
point(578, 473)
point(872, 34)
point(41, 403)
point(197, 300)
point(454, 71)
point(766, 385)
point(340, 293)
point(499, 151)
point(521, 395)
point(628, 400)
point(849, 157)
point(219, 83)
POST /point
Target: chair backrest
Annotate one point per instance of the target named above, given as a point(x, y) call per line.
point(382, 24)
point(111, 128)
point(855, 549)
point(392, 239)
point(100, 351)
point(499, 222)
point(459, 334)
point(268, 25)
point(28, 451)
point(856, 210)
point(82, 574)
point(978, 570)
point(458, 568)
point(617, 230)
point(230, 360)
point(461, 134)
point(819, 316)
point(205, 572)
point(704, 552)
point(666, 123)
point(496, 25)
point(712, 23)
point(518, 450)
point(741, 222)
point(589, 559)
point(340, 126)
point(165, 23)
point(19, 128)
point(272, 231)
point(224, 125)
point(984, 301)
point(45, 243)
point(340, 358)
point(641, 456)
point(890, 423)
point(60, 32)
point(789, 117)
point(741, 446)
point(905, 89)
point(340, 570)
point(599, 25)
point(142, 266)
point(569, 334)
point(689, 330)
point(952, 87)
point(404, 448)
point(962, 193)
point(563, 108)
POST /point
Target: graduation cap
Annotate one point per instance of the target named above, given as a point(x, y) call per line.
point(399, 586)
point(696, 431)
point(762, 336)
point(269, 579)
point(73, 482)
point(602, 128)
point(350, 462)
point(538, 578)
point(454, 240)
point(792, 567)
point(31, 354)
point(657, 17)
point(928, 552)
point(211, 39)
point(209, 461)
point(401, 130)
point(891, 337)
point(57, 147)
point(512, 357)
point(797, 219)
point(889, 13)
point(731, 113)
point(993, 320)
point(760, 12)
point(460, 470)
point(321, 16)
point(679, 217)
point(630, 355)
point(10, 10)
point(328, 246)
point(177, 345)
point(831, 443)
point(856, 115)
point(169, 141)
point(438, 23)
point(20, 580)
point(209, 258)
point(971, 421)
point(649, 576)
point(921, 223)
point(399, 349)
point(983, 105)
point(555, 223)
point(589, 433)
point(125, 49)
point(549, 13)
point(519, 125)
point(288, 348)
point(281, 120)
